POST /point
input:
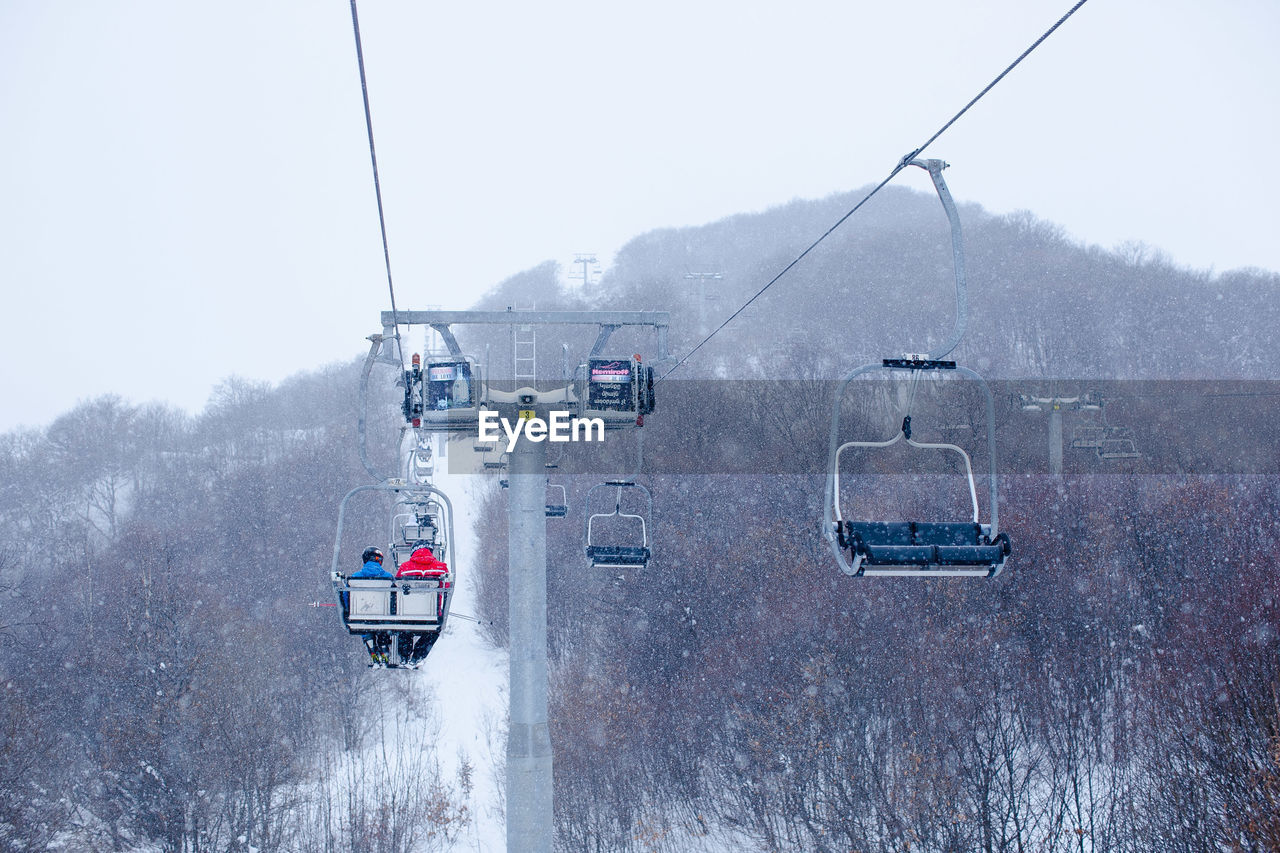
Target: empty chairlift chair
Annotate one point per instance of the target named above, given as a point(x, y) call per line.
point(919, 548)
point(557, 501)
point(606, 547)
point(966, 548)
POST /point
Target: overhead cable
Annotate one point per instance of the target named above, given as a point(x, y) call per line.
point(902, 164)
point(377, 185)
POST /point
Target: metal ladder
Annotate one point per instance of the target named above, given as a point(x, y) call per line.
point(524, 349)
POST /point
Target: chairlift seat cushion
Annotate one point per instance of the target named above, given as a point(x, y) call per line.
point(947, 533)
point(880, 532)
point(911, 544)
point(969, 555)
point(910, 555)
point(617, 555)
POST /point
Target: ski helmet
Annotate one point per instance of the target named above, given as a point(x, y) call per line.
point(371, 553)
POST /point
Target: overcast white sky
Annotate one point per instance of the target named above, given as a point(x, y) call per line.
point(185, 189)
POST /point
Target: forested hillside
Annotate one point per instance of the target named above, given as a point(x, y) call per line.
point(1114, 689)
point(166, 683)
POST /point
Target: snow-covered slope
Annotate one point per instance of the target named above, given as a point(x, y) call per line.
point(464, 681)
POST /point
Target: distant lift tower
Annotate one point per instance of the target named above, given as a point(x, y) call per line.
point(702, 278)
point(1055, 406)
point(590, 268)
point(448, 393)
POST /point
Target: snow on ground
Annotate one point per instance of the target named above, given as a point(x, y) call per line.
point(464, 680)
point(463, 685)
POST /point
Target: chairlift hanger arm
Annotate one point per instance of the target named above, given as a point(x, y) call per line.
point(617, 510)
point(446, 335)
point(602, 339)
point(934, 168)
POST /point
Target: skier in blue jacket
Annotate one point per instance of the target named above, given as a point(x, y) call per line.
point(379, 643)
point(372, 567)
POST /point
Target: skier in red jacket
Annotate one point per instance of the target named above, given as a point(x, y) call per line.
point(422, 565)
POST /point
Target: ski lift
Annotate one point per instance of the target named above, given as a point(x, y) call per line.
point(605, 549)
point(557, 508)
point(917, 548)
point(421, 464)
point(399, 620)
point(1109, 441)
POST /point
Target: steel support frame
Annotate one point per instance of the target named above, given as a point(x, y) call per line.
point(608, 321)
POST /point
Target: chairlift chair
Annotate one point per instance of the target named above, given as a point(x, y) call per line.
point(914, 548)
point(420, 464)
point(615, 390)
point(557, 508)
point(444, 393)
point(616, 553)
point(966, 548)
point(413, 611)
point(417, 524)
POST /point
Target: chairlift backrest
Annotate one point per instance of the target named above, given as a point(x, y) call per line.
point(370, 597)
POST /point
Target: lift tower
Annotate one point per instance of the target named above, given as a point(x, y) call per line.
point(1055, 406)
point(448, 393)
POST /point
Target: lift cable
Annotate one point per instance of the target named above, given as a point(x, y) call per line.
point(377, 185)
point(902, 164)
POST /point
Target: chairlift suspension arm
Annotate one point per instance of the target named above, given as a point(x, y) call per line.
point(934, 168)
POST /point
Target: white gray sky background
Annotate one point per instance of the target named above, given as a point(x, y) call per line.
point(185, 189)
